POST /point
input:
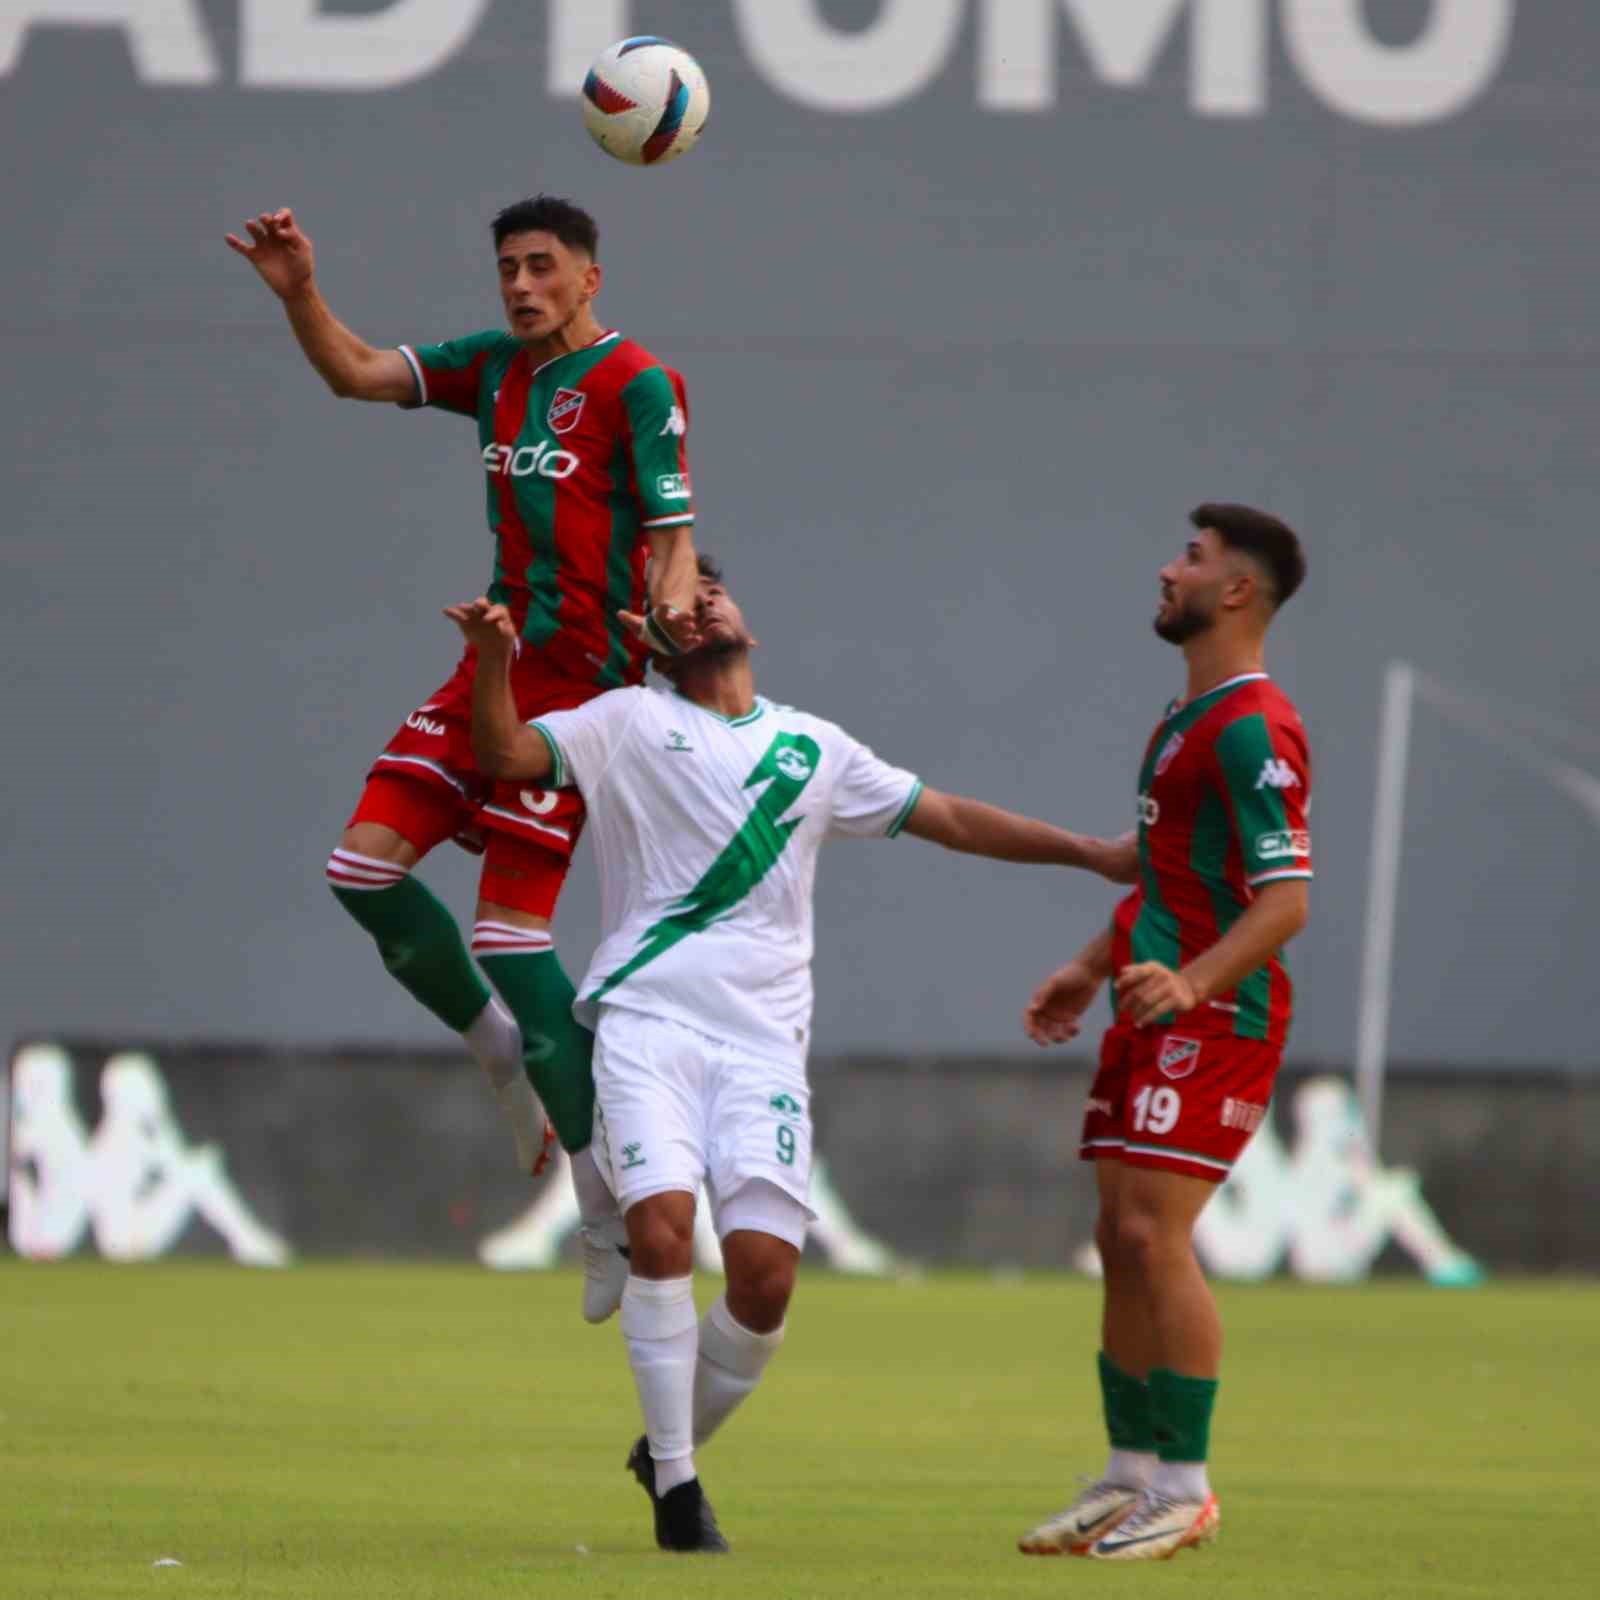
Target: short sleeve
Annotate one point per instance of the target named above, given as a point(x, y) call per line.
point(448, 375)
point(583, 741)
point(1266, 772)
point(871, 799)
point(658, 427)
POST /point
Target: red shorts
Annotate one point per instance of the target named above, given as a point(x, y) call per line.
point(1177, 1099)
point(426, 786)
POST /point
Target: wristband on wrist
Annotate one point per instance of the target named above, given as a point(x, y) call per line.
point(657, 637)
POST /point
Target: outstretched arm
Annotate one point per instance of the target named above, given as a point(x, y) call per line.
point(351, 367)
point(977, 829)
point(1147, 990)
point(502, 745)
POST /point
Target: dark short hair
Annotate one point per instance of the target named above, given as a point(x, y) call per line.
point(1272, 544)
point(544, 213)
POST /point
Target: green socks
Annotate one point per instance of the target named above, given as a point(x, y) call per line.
point(420, 944)
point(556, 1050)
point(1127, 1408)
point(1181, 1412)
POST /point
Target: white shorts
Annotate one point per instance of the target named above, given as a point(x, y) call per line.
point(675, 1108)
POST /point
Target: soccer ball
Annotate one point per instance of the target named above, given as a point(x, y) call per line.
point(645, 101)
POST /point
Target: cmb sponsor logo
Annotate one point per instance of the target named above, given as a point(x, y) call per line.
point(1288, 842)
point(673, 486)
point(543, 458)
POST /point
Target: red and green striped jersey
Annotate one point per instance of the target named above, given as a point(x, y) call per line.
point(1223, 796)
point(584, 457)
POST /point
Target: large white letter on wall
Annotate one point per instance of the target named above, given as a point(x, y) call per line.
point(1018, 50)
point(801, 54)
point(579, 31)
point(1454, 58)
point(166, 38)
point(289, 44)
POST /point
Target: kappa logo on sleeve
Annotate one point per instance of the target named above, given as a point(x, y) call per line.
point(676, 424)
point(1169, 753)
point(1277, 774)
point(1179, 1057)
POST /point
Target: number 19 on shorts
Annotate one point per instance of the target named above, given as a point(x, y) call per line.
point(1156, 1109)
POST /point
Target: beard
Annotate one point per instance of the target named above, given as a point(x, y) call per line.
point(1182, 626)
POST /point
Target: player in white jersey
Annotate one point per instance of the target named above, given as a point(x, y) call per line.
point(709, 805)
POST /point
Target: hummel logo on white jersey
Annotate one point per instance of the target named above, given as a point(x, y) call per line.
point(676, 741)
point(1277, 774)
point(676, 423)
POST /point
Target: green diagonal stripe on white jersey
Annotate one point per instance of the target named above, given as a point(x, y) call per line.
point(786, 768)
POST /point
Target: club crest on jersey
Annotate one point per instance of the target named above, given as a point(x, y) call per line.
point(566, 406)
point(1169, 753)
point(1179, 1057)
point(793, 765)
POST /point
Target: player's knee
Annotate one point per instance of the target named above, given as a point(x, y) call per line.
point(760, 1287)
point(1134, 1239)
point(661, 1235)
point(761, 1270)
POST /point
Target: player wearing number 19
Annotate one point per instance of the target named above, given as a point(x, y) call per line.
point(580, 441)
point(710, 805)
point(1202, 1006)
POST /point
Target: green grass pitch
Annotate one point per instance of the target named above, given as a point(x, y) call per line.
point(346, 1431)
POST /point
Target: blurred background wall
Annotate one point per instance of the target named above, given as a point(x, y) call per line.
point(974, 299)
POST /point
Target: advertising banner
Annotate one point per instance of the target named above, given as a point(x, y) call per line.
point(268, 1156)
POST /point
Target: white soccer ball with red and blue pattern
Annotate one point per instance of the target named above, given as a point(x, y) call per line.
point(645, 101)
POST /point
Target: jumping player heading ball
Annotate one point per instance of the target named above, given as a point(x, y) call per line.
point(581, 435)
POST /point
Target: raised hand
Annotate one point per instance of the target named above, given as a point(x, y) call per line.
point(488, 627)
point(279, 251)
point(667, 630)
point(1055, 1013)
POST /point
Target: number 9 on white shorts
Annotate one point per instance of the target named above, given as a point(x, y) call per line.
point(675, 1108)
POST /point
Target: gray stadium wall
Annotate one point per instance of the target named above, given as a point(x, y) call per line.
point(961, 1161)
point(974, 299)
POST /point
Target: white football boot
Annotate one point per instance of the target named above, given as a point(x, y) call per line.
point(605, 1268)
point(1071, 1532)
point(1157, 1529)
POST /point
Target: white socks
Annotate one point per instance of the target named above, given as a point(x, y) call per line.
point(1131, 1469)
point(730, 1363)
point(495, 1041)
point(1181, 1480)
point(658, 1322)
